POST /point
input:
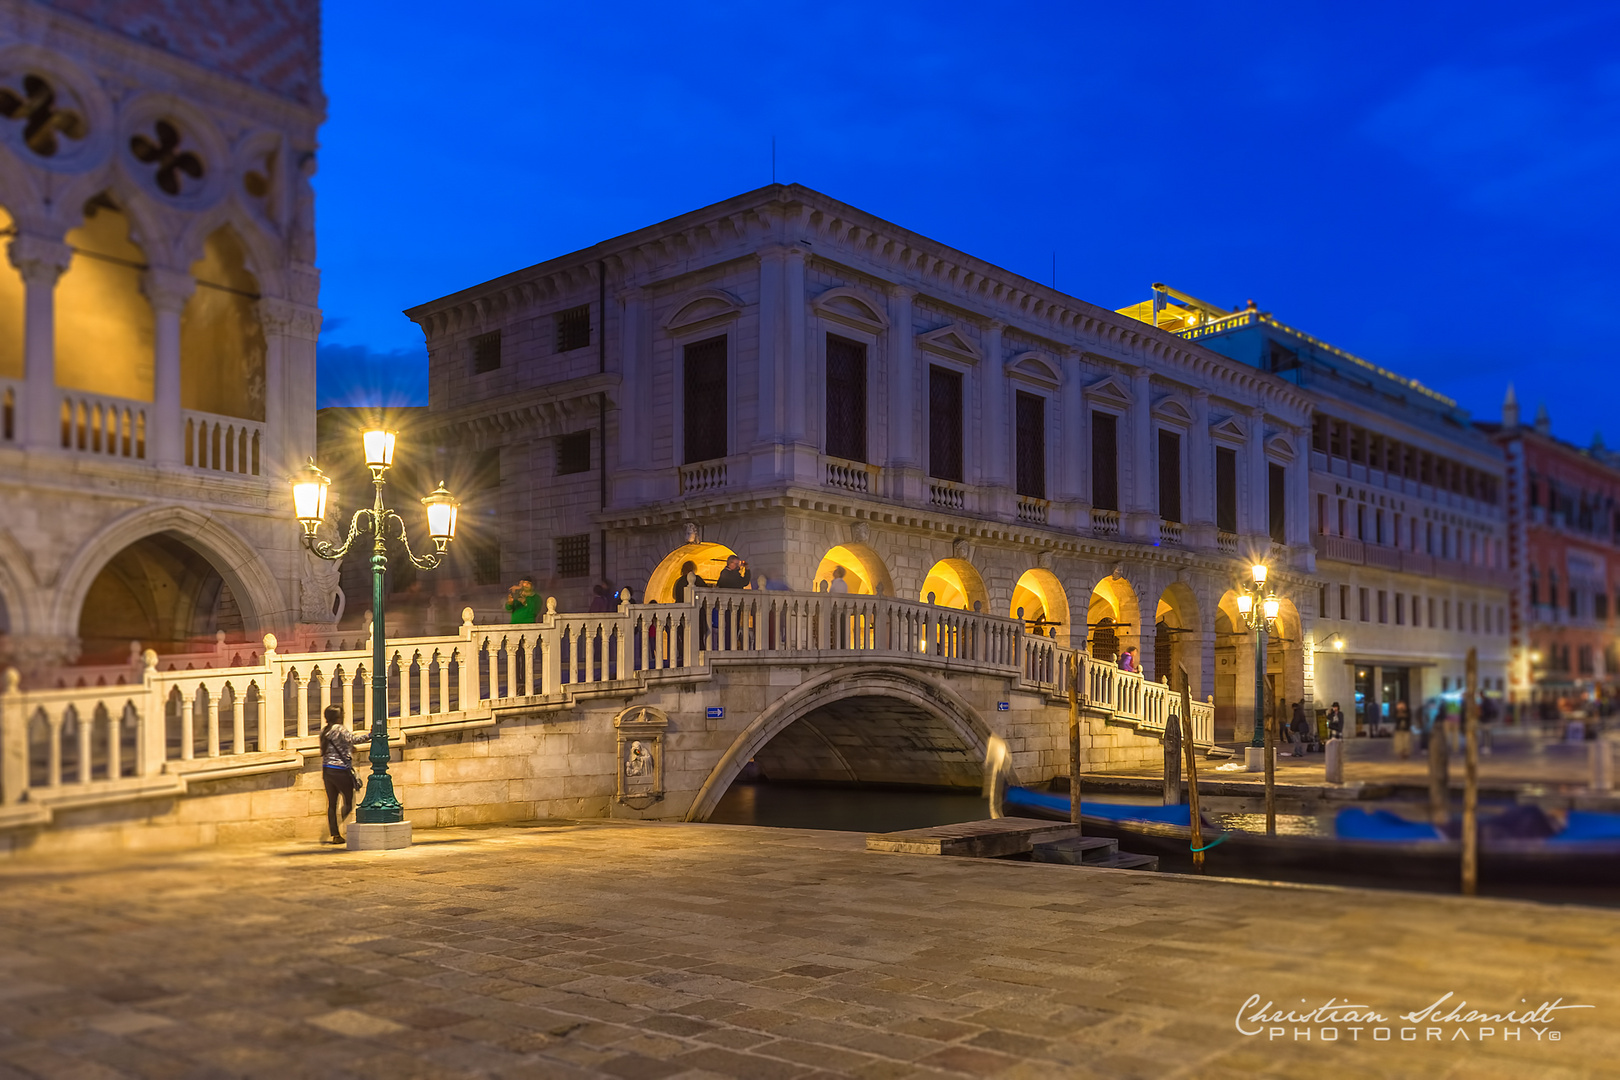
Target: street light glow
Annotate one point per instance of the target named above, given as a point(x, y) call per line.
point(1259, 573)
point(1245, 603)
point(441, 512)
point(309, 497)
point(379, 448)
point(1271, 607)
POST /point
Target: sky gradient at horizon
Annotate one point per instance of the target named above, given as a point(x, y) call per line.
point(1428, 188)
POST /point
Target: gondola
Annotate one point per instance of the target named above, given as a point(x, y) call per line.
point(1520, 845)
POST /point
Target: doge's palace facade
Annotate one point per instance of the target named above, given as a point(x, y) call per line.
point(158, 319)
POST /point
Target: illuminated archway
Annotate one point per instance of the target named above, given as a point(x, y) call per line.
point(1044, 603)
point(11, 330)
point(954, 583)
point(159, 591)
point(1234, 672)
point(1176, 651)
point(105, 328)
point(709, 558)
point(1113, 618)
point(1285, 662)
point(864, 572)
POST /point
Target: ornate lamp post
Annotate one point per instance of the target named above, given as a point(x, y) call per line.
point(380, 806)
point(1259, 605)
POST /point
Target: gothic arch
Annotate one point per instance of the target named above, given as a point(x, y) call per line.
point(262, 259)
point(239, 562)
point(937, 700)
point(18, 590)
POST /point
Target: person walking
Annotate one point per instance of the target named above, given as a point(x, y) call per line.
point(1335, 722)
point(602, 599)
point(523, 601)
point(688, 569)
point(1127, 659)
point(1299, 729)
point(736, 574)
point(337, 768)
point(838, 584)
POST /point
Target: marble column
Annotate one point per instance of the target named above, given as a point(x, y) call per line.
point(168, 291)
point(41, 263)
point(275, 317)
point(905, 460)
point(796, 358)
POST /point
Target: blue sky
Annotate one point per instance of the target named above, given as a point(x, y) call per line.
point(1430, 186)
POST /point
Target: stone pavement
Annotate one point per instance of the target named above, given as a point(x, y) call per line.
point(640, 950)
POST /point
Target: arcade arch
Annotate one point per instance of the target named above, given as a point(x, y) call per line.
point(709, 558)
point(954, 583)
point(1045, 606)
point(105, 328)
point(1176, 639)
point(159, 591)
point(864, 572)
point(222, 347)
point(1113, 618)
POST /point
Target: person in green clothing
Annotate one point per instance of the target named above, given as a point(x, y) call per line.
point(523, 602)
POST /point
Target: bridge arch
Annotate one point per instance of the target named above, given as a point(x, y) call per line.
point(939, 724)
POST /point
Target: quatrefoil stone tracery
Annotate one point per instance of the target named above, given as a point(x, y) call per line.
point(44, 116)
point(169, 161)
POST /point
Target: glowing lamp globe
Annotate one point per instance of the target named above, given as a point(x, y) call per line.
point(379, 448)
point(1245, 603)
point(1259, 573)
point(309, 497)
point(1272, 607)
point(441, 512)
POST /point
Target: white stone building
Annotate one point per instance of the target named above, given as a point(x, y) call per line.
point(790, 378)
point(158, 316)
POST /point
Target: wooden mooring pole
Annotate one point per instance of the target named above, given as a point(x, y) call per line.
point(1193, 820)
point(1074, 739)
point(1470, 814)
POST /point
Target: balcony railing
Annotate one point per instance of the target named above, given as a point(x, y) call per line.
point(111, 427)
point(1170, 532)
point(855, 476)
point(222, 443)
point(1226, 541)
point(1104, 522)
point(702, 476)
point(1341, 549)
point(947, 494)
point(1033, 511)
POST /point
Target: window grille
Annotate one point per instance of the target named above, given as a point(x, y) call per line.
point(486, 352)
point(1104, 461)
point(574, 556)
point(574, 328)
point(574, 453)
point(1030, 416)
point(846, 398)
point(945, 424)
point(704, 404)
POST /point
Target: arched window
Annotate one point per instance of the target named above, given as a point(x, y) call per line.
point(221, 341)
point(104, 324)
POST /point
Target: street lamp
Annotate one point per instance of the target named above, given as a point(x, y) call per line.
point(1259, 606)
point(380, 806)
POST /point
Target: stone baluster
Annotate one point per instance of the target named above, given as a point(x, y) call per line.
point(300, 704)
point(239, 723)
point(324, 683)
point(188, 725)
point(213, 722)
point(86, 729)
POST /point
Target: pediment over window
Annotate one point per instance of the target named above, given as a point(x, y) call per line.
point(1034, 367)
point(950, 341)
point(1168, 408)
point(1280, 446)
point(704, 306)
point(848, 305)
point(1229, 428)
point(1111, 389)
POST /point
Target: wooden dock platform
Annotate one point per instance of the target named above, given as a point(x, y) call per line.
point(988, 839)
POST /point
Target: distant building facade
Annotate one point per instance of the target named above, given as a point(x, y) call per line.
point(1408, 515)
point(1564, 561)
point(789, 378)
point(158, 317)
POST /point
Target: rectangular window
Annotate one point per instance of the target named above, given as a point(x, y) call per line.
point(574, 328)
point(1226, 489)
point(1473, 618)
point(574, 453)
point(1322, 601)
point(1361, 522)
point(846, 398)
point(1378, 526)
point(1344, 527)
point(1431, 622)
point(1366, 612)
point(486, 560)
point(574, 556)
point(1574, 605)
point(704, 403)
point(486, 352)
point(1417, 610)
point(1383, 606)
point(1104, 461)
point(1319, 433)
point(1030, 420)
point(1600, 605)
point(1400, 609)
point(1445, 614)
point(1321, 514)
point(945, 424)
point(1169, 475)
point(1278, 504)
point(1344, 602)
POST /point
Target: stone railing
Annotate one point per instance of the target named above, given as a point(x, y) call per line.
point(1104, 522)
point(1387, 558)
point(1341, 549)
point(111, 427)
point(1226, 541)
point(87, 745)
point(703, 476)
point(222, 443)
point(946, 494)
point(1033, 511)
point(1171, 532)
point(850, 475)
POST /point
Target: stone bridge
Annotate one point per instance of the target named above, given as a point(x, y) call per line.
point(651, 711)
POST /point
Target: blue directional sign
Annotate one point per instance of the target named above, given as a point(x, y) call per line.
point(1002, 706)
point(716, 712)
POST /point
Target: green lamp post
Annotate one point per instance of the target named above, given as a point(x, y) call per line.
point(380, 805)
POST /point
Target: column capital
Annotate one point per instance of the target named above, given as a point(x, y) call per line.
point(996, 325)
point(168, 290)
point(900, 292)
point(40, 260)
point(1201, 396)
point(287, 317)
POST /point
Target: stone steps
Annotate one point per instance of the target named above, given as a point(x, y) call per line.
point(1042, 841)
point(1091, 851)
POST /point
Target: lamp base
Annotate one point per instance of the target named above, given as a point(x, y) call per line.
point(380, 836)
point(1254, 758)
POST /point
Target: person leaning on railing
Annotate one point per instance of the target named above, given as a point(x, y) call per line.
point(523, 601)
point(337, 768)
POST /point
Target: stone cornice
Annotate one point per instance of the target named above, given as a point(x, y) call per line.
point(539, 413)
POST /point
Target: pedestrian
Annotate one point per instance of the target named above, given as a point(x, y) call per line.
point(1403, 730)
point(602, 596)
point(688, 570)
point(1335, 722)
point(337, 768)
point(522, 601)
point(735, 575)
point(1299, 729)
point(1127, 659)
point(838, 584)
